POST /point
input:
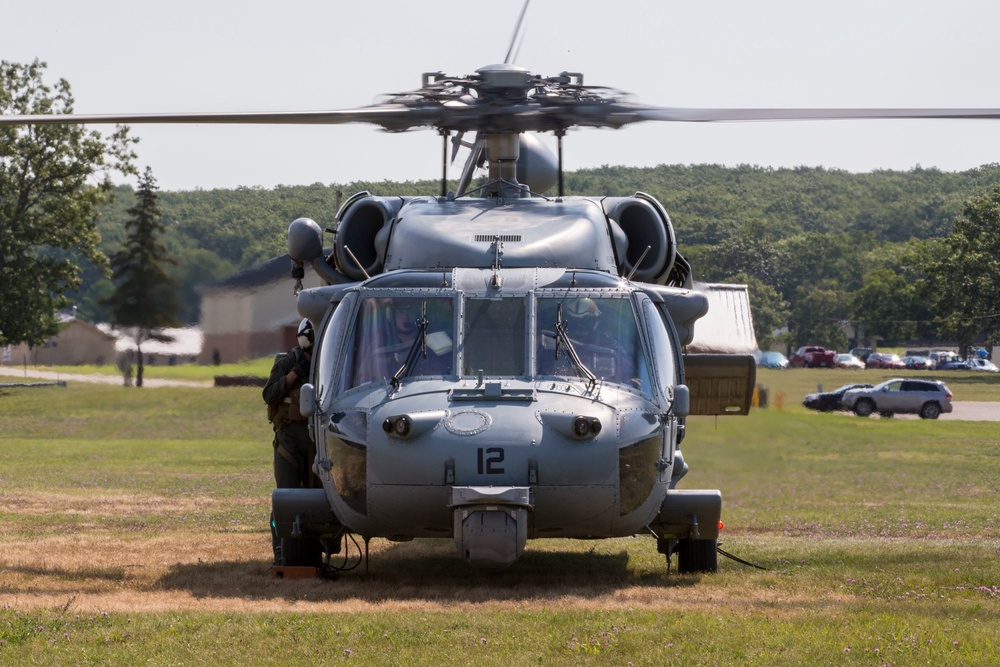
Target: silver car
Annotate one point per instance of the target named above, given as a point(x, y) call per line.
point(927, 398)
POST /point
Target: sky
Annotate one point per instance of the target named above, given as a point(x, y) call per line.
point(247, 55)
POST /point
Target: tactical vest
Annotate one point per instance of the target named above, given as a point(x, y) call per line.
point(286, 411)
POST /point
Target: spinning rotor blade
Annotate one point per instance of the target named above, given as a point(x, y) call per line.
point(503, 99)
point(695, 115)
point(495, 117)
point(386, 115)
point(515, 39)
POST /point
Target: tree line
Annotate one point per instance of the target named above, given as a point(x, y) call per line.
point(818, 247)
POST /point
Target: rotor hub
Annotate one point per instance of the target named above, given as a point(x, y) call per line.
point(509, 81)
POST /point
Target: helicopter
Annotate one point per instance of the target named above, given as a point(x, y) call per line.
point(496, 364)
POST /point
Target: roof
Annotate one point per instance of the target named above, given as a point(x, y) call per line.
point(274, 269)
point(727, 328)
point(187, 341)
point(68, 320)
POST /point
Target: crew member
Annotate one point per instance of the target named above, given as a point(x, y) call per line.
point(293, 448)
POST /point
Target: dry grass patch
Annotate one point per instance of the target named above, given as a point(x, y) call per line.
point(102, 503)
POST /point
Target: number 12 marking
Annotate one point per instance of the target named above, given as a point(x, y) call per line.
point(489, 460)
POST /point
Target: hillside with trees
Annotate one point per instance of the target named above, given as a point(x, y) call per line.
point(816, 246)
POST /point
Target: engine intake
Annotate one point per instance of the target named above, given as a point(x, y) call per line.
point(364, 229)
point(643, 223)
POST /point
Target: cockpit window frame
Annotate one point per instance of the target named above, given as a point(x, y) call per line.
point(340, 336)
point(344, 311)
point(650, 314)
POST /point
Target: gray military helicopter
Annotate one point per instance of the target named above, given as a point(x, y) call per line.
point(497, 364)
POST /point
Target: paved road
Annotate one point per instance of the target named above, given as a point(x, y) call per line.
point(970, 411)
point(974, 411)
point(962, 410)
point(11, 374)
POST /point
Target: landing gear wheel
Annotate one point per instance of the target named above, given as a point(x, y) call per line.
point(697, 556)
point(302, 552)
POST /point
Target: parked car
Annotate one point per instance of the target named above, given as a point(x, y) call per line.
point(845, 360)
point(770, 359)
point(918, 363)
point(812, 356)
point(927, 398)
point(939, 357)
point(828, 401)
point(884, 360)
point(861, 352)
point(982, 365)
point(955, 363)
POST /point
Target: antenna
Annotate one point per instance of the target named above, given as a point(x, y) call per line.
point(630, 273)
point(363, 268)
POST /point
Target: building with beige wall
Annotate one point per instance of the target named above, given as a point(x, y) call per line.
point(251, 314)
point(77, 343)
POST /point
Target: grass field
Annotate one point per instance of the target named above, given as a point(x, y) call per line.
point(132, 531)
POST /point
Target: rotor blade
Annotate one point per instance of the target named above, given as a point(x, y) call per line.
point(514, 38)
point(696, 115)
point(499, 116)
point(390, 116)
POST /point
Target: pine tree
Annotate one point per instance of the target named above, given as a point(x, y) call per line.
point(146, 298)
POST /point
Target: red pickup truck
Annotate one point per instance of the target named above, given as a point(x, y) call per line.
point(812, 356)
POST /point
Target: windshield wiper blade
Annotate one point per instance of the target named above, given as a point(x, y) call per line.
point(561, 336)
point(417, 348)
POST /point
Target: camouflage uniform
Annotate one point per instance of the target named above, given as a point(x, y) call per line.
point(294, 450)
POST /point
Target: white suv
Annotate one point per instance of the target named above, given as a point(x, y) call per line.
point(927, 398)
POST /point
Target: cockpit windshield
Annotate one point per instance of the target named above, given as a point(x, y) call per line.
point(493, 337)
point(401, 336)
point(592, 337)
point(602, 335)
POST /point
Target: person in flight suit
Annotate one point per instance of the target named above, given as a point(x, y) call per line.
point(294, 450)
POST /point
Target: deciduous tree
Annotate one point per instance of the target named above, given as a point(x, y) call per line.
point(964, 273)
point(52, 179)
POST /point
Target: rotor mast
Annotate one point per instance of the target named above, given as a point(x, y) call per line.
point(503, 84)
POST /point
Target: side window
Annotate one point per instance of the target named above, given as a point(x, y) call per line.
point(329, 349)
point(662, 345)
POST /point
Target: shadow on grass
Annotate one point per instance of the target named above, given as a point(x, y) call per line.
point(426, 574)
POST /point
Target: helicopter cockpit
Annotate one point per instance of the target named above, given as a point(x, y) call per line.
point(390, 334)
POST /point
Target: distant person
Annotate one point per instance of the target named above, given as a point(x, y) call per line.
point(125, 366)
point(293, 448)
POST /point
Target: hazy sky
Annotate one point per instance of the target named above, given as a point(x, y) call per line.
point(228, 55)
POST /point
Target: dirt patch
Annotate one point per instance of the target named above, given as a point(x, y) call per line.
point(101, 505)
point(231, 572)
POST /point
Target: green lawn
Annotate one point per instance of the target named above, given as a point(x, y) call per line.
point(132, 531)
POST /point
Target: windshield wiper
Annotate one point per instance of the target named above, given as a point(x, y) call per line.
point(417, 348)
point(561, 336)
